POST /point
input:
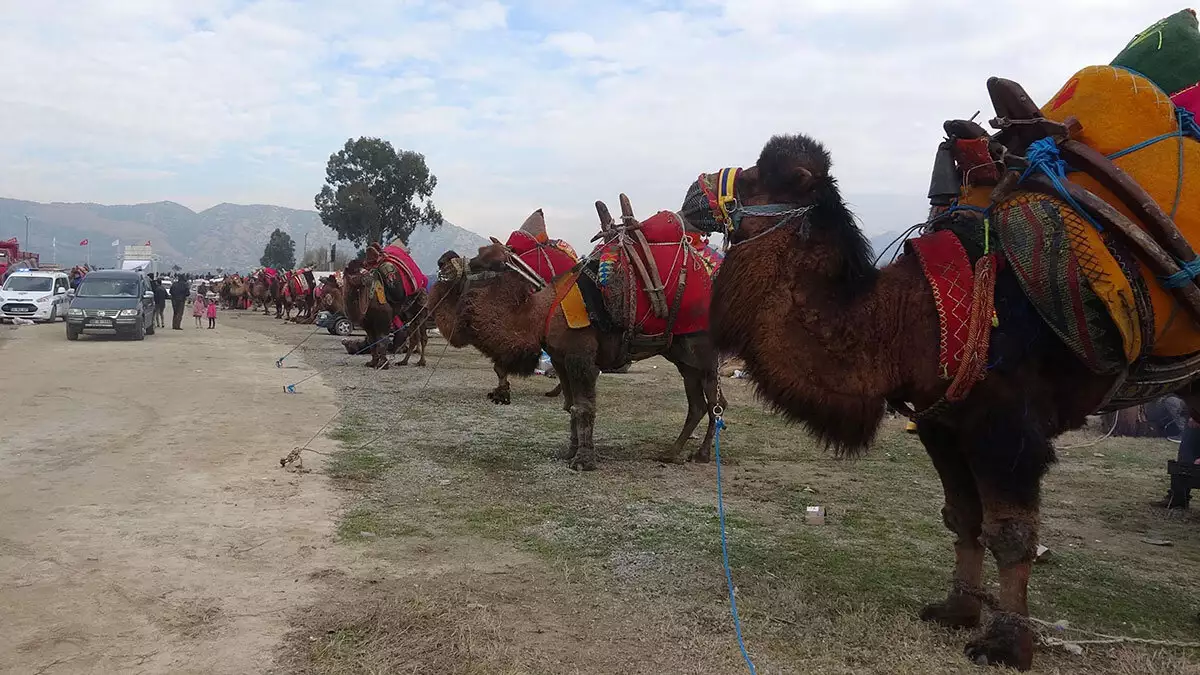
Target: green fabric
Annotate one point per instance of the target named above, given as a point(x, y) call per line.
point(1168, 52)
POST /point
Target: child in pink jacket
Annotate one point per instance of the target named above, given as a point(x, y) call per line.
point(212, 313)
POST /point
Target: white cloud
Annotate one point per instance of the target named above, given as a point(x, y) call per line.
point(514, 105)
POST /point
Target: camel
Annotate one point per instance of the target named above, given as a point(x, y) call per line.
point(828, 339)
point(364, 309)
point(533, 241)
point(302, 298)
point(499, 312)
point(232, 290)
point(260, 290)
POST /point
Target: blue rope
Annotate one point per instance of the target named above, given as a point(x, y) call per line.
point(1188, 271)
point(737, 622)
point(1043, 156)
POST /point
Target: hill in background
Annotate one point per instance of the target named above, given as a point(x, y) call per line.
point(228, 236)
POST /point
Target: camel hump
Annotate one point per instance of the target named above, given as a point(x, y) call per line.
point(535, 226)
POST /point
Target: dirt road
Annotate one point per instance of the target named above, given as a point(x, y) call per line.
point(147, 526)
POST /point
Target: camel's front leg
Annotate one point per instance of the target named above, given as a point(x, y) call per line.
point(693, 386)
point(962, 515)
point(1008, 460)
point(502, 394)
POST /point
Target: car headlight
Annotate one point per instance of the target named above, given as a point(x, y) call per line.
point(74, 312)
point(45, 298)
point(128, 312)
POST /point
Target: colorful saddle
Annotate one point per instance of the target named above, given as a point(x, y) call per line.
point(545, 256)
point(656, 280)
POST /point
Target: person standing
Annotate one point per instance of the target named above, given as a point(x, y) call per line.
point(212, 314)
point(179, 296)
point(160, 303)
point(198, 307)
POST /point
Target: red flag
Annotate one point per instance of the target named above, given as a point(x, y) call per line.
point(147, 242)
point(83, 243)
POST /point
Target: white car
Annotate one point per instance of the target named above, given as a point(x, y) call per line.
point(41, 296)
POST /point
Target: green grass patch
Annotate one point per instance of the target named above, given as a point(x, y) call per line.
point(367, 522)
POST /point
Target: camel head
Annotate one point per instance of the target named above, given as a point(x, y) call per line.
point(355, 275)
point(452, 267)
point(790, 187)
point(490, 258)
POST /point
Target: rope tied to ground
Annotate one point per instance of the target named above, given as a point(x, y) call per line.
point(718, 412)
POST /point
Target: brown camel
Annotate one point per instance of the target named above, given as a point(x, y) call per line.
point(533, 230)
point(499, 312)
point(260, 291)
point(364, 309)
point(827, 339)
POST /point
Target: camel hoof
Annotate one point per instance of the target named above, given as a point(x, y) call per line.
point(671, 457)
point(701, 457)
point(421, 363)
point(567, 453)
point(583, 463)
point(500, 397)
point(955, 612)
point(1007, 641)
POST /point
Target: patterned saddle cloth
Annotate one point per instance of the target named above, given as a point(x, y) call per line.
point(685, 267)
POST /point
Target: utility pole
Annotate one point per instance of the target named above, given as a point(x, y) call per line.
point(26, 242)
point(305, 249)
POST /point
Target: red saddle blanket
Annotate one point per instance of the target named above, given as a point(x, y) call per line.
point(297, 284)
point(549, 259)
point(410, 274)
point(674, 252)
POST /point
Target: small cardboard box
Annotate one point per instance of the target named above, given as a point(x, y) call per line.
point(814, 515)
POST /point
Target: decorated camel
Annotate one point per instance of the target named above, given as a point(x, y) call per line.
point(1034, 299)
point(300, 285)
point(365, 305)
point(260, 286)
point(546, 258)
point(598, 317)
point(232, 291)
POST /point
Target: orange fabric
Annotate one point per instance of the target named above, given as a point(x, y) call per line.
point(1119, 109)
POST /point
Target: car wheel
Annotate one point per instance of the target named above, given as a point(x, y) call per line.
point(72, 333)
point(53, 314)
point(150, 329)
point(139, 333)
point(343, 327)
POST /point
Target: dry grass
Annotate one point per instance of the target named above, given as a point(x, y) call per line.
point(490, 556)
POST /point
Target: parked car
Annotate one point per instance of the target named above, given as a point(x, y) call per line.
point(335, 323)
point(119, 301)
point(38, 295)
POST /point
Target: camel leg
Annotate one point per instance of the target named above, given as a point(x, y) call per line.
point(502, 394)
point(694, 387)
point(407, 346)
point(556, 391)
point(712, 398)
point(422, 342)
point(963, 515)
point(582, 372)
point(1008, 460)
point(568, 403)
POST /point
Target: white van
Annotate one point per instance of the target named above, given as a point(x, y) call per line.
point(37, 295)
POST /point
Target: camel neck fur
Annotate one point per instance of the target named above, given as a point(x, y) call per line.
point(507, 317)
point(824, 340)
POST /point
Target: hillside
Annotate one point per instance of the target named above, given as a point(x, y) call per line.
point(229, 236)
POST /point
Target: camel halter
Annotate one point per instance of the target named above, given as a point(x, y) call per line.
point(785, 212)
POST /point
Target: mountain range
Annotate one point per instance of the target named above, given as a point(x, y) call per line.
point(226, 236)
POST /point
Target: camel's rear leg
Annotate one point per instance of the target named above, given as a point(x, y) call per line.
point(422, 337)
point(568, 401)
point(962, 515)
point(581, 373)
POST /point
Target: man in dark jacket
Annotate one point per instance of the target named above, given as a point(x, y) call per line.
point(160, 303)
point(179, 296)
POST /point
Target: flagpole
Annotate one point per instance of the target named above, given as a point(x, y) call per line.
point(89, 253)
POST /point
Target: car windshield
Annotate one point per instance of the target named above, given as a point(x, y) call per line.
point(122, 288)
point(28, 284)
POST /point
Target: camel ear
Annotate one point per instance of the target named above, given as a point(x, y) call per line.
point(496, 241)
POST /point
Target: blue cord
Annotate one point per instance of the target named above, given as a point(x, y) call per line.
point(1043, 156)
point(737, 622)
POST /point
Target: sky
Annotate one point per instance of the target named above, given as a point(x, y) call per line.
point(516, 105)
